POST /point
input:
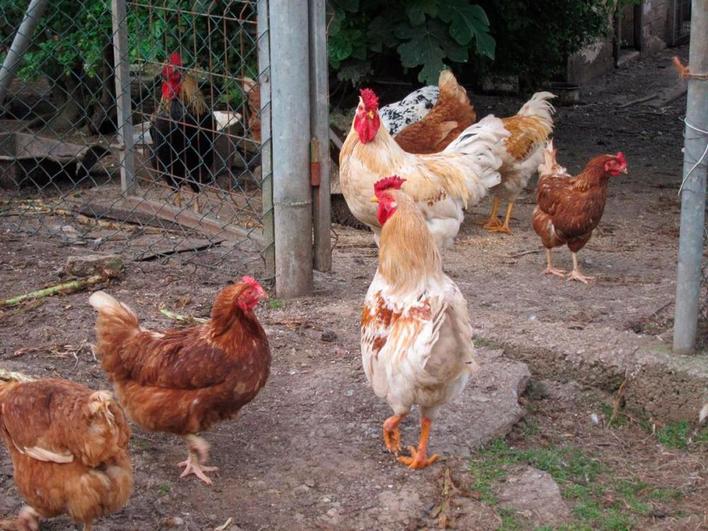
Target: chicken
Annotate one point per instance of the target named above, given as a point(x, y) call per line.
point(184, 380)
point(394, 116)
point(69, 449)
point(451, 115)
point(416, 336)
point(442, 184)
point(411, 109)
point(521, 152)
point(253, 99)
point(569, 208)
point(182, 132)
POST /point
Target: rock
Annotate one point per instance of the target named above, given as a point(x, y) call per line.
point(328, 336)
point(108, 265)
point(535, 496)
point(172, 521)
point(301, 489)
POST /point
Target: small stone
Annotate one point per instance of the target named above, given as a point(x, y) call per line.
point(328, 336)
point(108, 265)
point(310, 482)
point(301, 489)
point(535, 495)
point(172, 521)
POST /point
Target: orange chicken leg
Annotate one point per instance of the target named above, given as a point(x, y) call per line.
point(495, 226)
point(392, 434)
point(493, 221)
point(418, 458)
point(198, 454)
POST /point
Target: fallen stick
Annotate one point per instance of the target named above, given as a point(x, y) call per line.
point(64, 287)
point(638, 100)
point(182, 318)
point(524, 253)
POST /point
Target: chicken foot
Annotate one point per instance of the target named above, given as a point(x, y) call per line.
point(198, 455)
point(418, 458)
point(496, 226)
point(575, 274)
point(493, 221)
point(28, 519)
point(550, 270)
point(392, 434)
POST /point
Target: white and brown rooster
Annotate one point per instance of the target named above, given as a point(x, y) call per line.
point(441, 184)
point(416, 336)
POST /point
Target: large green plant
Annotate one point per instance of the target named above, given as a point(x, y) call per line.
point(536, 38)
point(424, 34)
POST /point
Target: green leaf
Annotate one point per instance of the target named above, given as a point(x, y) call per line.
point(469, 21)
point(379, 34)
point(417, 9)
point(423, 47)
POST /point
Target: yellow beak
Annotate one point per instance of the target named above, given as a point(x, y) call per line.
point(374, 199)
point(625, 170)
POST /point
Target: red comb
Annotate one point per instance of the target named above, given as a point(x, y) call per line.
point(620, 158)
point(176, 59)
point(250, 281)
point(371, 101)
point(387, 183)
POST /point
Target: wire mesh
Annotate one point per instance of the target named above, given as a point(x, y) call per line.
point(196, 143)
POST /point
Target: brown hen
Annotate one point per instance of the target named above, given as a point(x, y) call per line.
point(184, 380)
point(569, 208)
point(452, 114)
point(69, 449)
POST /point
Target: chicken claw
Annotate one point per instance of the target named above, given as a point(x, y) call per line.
point(577, 275)
point(28, 519)
point(392, 434)
point(553, 271)
point(191, 466)
point(417, 459)
point(198, 455)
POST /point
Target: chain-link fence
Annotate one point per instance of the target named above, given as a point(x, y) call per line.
point(185, 175)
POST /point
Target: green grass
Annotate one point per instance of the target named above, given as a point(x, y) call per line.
point(164, 489)
point(675, 435)
point(275, 304)
point(598, 501)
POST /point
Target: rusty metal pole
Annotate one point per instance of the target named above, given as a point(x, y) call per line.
point(693, 187)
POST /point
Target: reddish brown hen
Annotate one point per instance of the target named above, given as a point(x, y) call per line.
point(69, 449)
point(569, 208)
point(452, 114)
point(184, 380)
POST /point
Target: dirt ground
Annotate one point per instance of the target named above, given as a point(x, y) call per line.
point(307, 452)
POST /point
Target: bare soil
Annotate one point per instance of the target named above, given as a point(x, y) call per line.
point(307, 452)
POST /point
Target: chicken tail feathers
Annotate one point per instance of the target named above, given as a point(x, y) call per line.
point(539, 106)
point(481, 144)
point(115, 324)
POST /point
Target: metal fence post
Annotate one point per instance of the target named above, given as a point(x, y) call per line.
point(319, 101)
point(123, 99)
point(22, 40)
point(693, 188)
point(266, 139)
point(290, 107)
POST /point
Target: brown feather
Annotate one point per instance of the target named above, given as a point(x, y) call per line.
point(451, 114)
point(68, 418)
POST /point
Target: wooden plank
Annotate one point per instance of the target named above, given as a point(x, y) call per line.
point(97, 210)
point(190, 219)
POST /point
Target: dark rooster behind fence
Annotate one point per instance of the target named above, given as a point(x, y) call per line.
point(183, 132)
